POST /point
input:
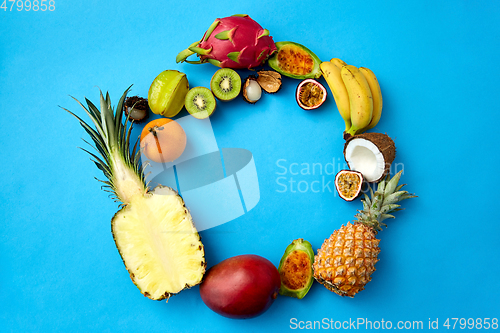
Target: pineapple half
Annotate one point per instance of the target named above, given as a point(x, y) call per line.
point(346, 260)
point(153, 230)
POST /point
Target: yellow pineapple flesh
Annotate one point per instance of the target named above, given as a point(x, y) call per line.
point(345, 262)
point(159, 244)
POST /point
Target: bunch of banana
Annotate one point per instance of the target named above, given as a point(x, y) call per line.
point(357, 94)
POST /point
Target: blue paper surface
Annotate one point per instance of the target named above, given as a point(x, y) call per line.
point(438, 66)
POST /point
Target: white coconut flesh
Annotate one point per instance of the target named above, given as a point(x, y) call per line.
point(364, 156)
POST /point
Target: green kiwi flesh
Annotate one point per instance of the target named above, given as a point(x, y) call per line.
point(226, 84)
point(200, 102)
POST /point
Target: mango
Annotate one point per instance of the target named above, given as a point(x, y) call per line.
point(241, 287)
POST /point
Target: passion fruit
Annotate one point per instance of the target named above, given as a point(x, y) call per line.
point(296, 270)
point(310, 94)
point(348, 184)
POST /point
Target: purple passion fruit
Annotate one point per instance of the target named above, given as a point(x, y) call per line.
point(241, 287)
point(348, 184)
point(310, 94)
point(296, 270)
point(295, 61)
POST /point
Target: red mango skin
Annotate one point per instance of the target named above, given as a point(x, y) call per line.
point(241, 287)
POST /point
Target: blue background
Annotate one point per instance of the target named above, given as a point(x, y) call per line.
point(438, 65)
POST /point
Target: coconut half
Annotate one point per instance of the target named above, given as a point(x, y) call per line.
point(371, 154)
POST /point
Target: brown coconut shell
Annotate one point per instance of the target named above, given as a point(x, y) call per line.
point(384, 144)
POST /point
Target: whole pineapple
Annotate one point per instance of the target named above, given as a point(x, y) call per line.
point(346, 260)
point(153, 230)
point(235, 41)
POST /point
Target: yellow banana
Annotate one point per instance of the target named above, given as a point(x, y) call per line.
point(376, 94)
point(339, 92)
point(360, 98)
point(338, 62)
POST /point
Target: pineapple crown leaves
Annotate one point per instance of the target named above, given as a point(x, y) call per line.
point(111, 136)
point(380, 204)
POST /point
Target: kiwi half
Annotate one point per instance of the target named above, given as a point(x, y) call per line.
point(226, 84)
point(200, 102)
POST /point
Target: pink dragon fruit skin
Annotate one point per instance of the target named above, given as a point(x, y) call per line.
point(235, 42)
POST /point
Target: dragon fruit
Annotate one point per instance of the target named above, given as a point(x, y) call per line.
point(235, 42)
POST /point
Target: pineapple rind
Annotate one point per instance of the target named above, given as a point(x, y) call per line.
point(346, 260)
point(159, 244)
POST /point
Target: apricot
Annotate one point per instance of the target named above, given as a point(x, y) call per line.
point(163, 140)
